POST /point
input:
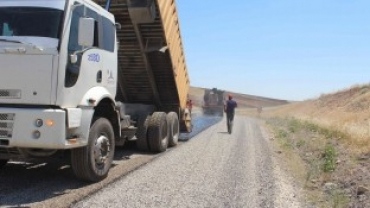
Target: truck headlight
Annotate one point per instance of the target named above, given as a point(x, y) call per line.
point(39, 122)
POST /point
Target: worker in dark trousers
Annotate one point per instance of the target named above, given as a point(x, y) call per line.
point(230, 106)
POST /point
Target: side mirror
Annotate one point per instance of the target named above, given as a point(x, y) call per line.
point(86, 32)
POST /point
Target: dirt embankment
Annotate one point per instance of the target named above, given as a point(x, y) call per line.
point(331, 135)
point(347, 111)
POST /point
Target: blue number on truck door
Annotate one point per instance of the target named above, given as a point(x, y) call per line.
point(94, 57)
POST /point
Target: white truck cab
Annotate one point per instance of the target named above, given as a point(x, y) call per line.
point(58, 64)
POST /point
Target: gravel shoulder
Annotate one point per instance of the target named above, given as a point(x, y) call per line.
point(214, 169)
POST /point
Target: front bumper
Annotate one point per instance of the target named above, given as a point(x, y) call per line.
point(18, 128)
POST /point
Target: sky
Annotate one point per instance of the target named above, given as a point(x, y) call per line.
point(284, 49)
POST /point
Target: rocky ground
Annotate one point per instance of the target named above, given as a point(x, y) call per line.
point(330, 174)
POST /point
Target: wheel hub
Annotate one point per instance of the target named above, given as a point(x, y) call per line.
point(101, 149)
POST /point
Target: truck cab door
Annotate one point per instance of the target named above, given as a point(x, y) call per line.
point(84, 66)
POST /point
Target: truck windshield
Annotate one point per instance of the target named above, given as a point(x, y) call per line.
point(30, 21)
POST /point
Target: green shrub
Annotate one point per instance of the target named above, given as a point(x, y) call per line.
point(311, 127)
point(294, 125)
point(329, 163)
point(282, 134)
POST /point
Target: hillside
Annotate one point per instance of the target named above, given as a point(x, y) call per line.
point(244, 101)
point(331, 136)
point(347, 111)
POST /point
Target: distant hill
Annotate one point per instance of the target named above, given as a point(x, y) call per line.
point(243, 100)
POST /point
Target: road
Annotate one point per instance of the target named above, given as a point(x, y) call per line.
point(209, 168)
point(214, 169)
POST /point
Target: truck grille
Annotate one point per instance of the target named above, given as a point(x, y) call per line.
point(10, 94)
point(6, 125)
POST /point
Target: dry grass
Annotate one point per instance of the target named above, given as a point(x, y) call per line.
point(346, 111)
point(319, 153)
point(331, 134)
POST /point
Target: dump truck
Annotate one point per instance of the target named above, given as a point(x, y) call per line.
point(83, 76)
point(213, 102)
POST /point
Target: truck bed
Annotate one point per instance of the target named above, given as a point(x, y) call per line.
point(147, 75)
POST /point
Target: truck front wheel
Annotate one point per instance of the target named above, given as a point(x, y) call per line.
point(92, 163)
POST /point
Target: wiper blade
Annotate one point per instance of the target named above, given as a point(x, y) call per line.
point(17, 41)
point(11, 41)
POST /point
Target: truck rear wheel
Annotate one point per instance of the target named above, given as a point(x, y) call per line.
point(3, 163)
point(141, 134)
point(92, 163)
point(157, 132)
point(188, 124)
point(173, 129)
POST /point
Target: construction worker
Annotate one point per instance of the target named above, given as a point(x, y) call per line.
point(229, 108)
point(189, 104)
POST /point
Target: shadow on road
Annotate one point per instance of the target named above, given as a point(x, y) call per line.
point(37, 181)
point(40, 180)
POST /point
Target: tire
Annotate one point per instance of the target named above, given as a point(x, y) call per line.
point(141, 134)
point(3, 163)
point(92, 162)
point(173, 129)
point(157, 132)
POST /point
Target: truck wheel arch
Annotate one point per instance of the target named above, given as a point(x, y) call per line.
point(104, 106)
point(106, 109)
point(94, 96)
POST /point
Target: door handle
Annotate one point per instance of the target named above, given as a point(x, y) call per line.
point(99, 76)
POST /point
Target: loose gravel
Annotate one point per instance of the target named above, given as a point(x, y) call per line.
point(214, 169)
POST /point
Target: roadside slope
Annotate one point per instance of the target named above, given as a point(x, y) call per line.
point(331, 135)
point(347, 111)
